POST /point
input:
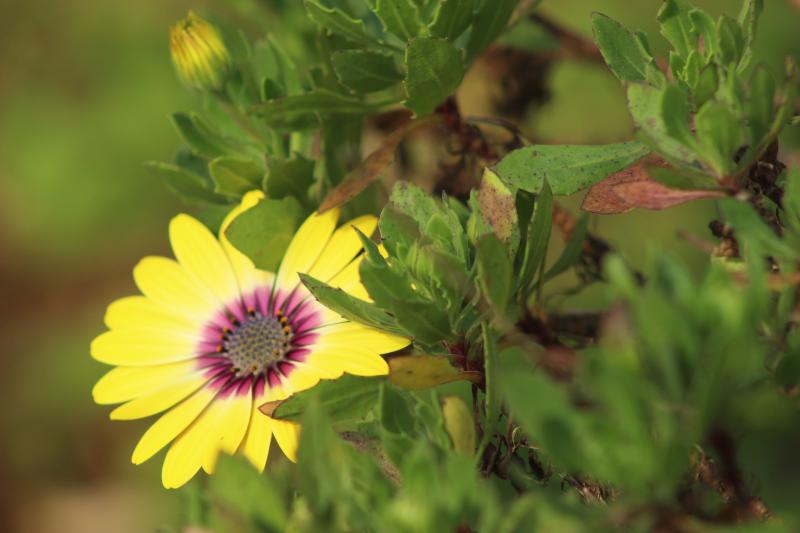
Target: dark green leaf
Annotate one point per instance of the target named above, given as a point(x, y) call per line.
point(201, 137)
point(339, 23)
point(264, 231)
point(365, 71)
point(760, 105)
point(748, 20)
point(706, 86)
point(234, 176)
point(703, 25)
point(719, 136)
point(730, 43)
point(399, 17)
point(290, 177)
point(434, 69)
point(750, 229)
point(538, 237)
point(675, 113)
point(188, 186)
point(495, 272)
point(452, 19)
point(345, 398)
point(567, 168)
point(489, 22)
point(351, 307)
point(572, 251)
point(299, 112)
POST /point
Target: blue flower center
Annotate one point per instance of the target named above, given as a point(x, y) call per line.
point(257, 343)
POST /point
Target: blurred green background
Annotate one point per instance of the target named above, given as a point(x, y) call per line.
point(85, 92)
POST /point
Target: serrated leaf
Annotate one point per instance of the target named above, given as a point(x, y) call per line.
point(200, 136)
point(302, 111)
point(677, 27)
point(420, 371)
point(621, 50)
point(434, 69)
point(703, 26)
point(748, 20)
point(489, 22)
point(706, 86)
point(751, 230)
point(264, 231)
point(234, 176)
point(338, 22)
point(345, 398)
point(452, 19)
point(730, 41)
point(188, 186)
point(760, 105)
point(399, 17)
point(350, 307)
point(568, 168)
point(675, 113)
point(365, 71)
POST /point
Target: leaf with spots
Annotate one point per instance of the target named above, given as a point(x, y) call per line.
point(434, 69)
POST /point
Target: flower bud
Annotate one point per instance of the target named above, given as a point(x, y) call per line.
point(199, 55)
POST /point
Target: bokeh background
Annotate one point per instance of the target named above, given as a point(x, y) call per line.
point(85, 93)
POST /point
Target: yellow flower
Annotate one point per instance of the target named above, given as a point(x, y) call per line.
point(212, 338)
point(199, 55)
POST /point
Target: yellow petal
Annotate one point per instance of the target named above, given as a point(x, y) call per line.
point(142, 348)
point(351, 334)
point(300, 378)
point(142, 313)
point(287, 434)
point(201, 255)
point(359, 362)
point(168, 285)
point(343, 246)
point(123, 383)
point(306, 246)
point(171, 424)
point(235, 416)
point(255, 446)
point(158, 400)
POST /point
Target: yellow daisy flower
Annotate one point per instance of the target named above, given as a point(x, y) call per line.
point(212, 338)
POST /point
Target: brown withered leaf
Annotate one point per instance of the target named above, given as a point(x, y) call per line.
point(634, 187)
point(371, 168)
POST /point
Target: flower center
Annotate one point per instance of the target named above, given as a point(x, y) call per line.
point(257, 343)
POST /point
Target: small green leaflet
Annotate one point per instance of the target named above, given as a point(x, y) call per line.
point(434, 69)
point(399, 17)
point(364, 70)
point(264, 231)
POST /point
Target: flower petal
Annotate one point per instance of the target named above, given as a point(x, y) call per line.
point(201, 255)
point(167, 284)
point(349, 334)
point(306, 246)
point(343, 246)
point(287, 434)
point(159, 400)
point(142, 348)
point(235, 410)
point(255, 446)
point(142, 313)
point(359, 362)
point(124, 383)
point(171, 424)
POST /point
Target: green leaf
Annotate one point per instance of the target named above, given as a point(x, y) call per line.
point(399, 232)
point(730, 41)
point(425, 321)
point(621, 50)
point(240, 489)
point(677, 27)
point(706, 86)
point(760, 106)
point(345, 398)
point(645, 104)
point(459, 424)
point(750, 229)
point(339, 23)
point(350, 307)
point(187, 185)
point(538, 237)
point(703, 26)
point(301, 112)
point(200, 136)
point(568, 168)
point(495, 272)
point(399, 17)
point(748, 20)
point(234, 176)
point(675, 114)
point(290, 177)
point(434, 69)
point(365, 71)
point(719, 136)
point(264, 231)
point(489, 22)
point(572, 251)
point(452, 19)
point(396, 415)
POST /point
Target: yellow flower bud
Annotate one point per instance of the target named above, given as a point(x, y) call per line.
point(199, 55)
